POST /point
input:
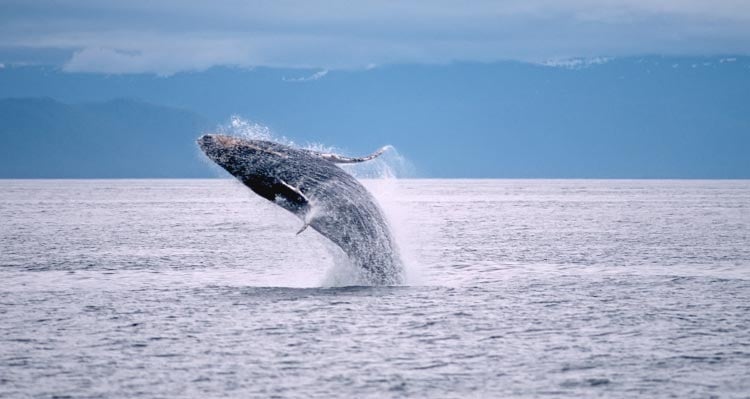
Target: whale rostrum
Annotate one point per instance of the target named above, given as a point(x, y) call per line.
point(326, 198)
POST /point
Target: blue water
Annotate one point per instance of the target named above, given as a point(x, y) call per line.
point(516, 288)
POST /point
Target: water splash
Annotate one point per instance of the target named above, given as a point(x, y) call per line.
point(343, 273)
point(237, 126)
point(391, 164)
point(389, 192)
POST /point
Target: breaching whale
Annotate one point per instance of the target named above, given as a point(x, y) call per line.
point(326, 198)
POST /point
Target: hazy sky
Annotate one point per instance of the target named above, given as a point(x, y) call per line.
point(178, 35)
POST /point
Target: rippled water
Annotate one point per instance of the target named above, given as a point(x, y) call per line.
point(197, 288)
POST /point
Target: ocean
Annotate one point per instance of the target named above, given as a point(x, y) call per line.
point(515, 288)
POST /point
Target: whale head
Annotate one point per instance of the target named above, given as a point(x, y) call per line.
point(263, 166)
point(243, 158)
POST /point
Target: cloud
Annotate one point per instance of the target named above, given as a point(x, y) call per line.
point(170, 35)
point(315, 76)
point(575, 63)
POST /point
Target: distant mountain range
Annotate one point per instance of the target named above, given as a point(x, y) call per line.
point(648, 117)
point(45, 138)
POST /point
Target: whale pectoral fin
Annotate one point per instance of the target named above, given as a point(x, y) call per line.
point(304, 226)
point(296, 193)
point(335, 158)
point(280, 192)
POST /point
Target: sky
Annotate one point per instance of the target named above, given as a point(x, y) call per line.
point(166, 37)
point(533, 88)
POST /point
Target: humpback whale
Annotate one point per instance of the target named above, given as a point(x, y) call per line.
point(326, 198)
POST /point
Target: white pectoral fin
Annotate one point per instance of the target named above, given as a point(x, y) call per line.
point(308, 219)
point(335, 158)
point(295, 190)
point(304, 226)
point(296, 196)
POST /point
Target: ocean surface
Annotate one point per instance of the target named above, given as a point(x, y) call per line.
point(516, 288)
